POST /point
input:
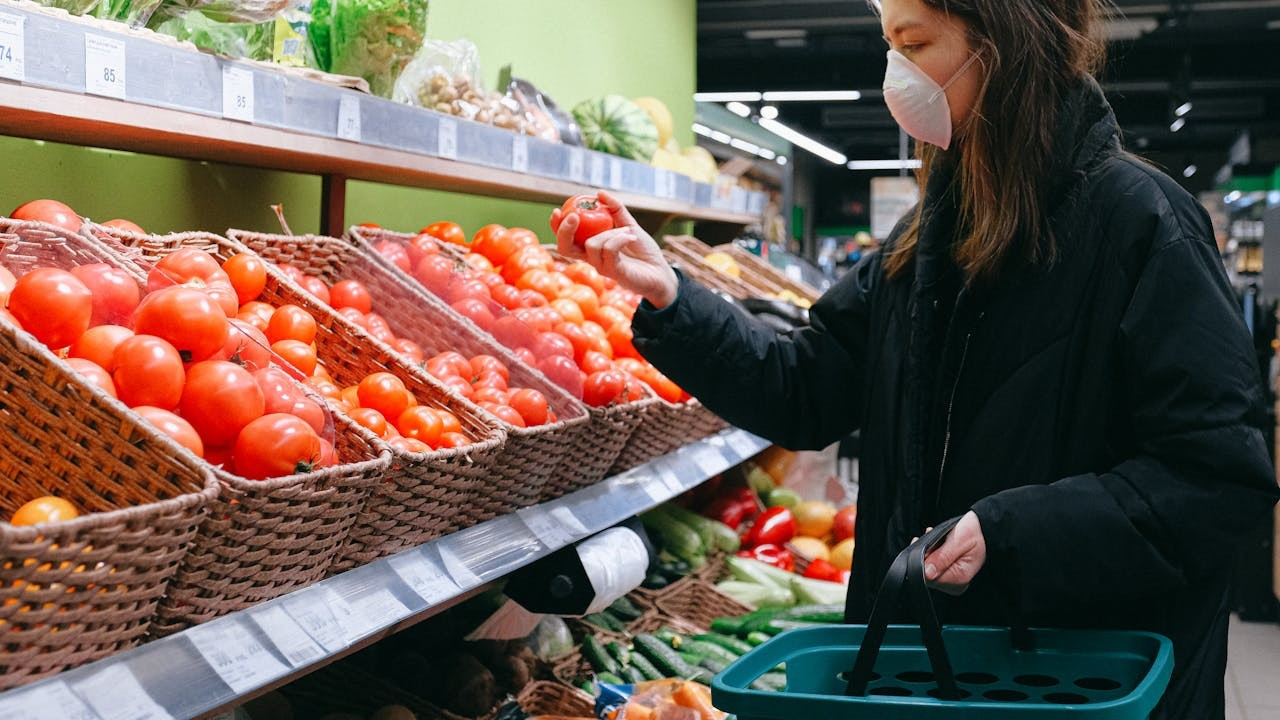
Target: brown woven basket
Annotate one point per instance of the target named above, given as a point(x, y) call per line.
point(262, 539)
point(698, 603)
point(692, 266)
point(668, 426)
point(83, 589)
point(760, 273)
point(548, 698)
point(655, 621)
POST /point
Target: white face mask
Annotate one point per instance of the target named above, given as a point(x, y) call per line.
point(917, 102)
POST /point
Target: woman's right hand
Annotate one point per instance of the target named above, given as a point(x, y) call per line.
point(626, 253)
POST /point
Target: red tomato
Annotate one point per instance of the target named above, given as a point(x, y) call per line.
point(457, 361)
point(187, 266)
point(481, 264)
point(148, 371)
point(53, 305)
point(420, 423)
point(449, 422)
point(453, 440)
point(447, 232)
point(665, 387)
point(635, 389)
point(219, 457)
point(352, 294)
point(540, 281)
point(568, 310)
point(7, 281)
point(385, 393)
point(490, 379)
point(523, 260)
point(225, 297)
point(409, 349)
point(328, 455)
point(563, 372)
point(604, 388)
point(278, 389)
point(555, 344)
point(526, 356)
point(531, 404)
point(395, 253)
point(508, 296)
point(421, 246)
point(98, 345)
point(299, 355)
point(173, 426)
point(94, 373)
point(369, 226)
point(219, 399)
point(609, 317)
point(513, 332)
point(480, 364)
point(458, 385)
point(577, 338)
point(466, 289)
point(593, 361)
point(434, 272)
point(125, 225)
point(584, 274)
point(505, 413)
point(245, 346)
point(379, 328)
point(49, 211)
point(291, 272)
point(408, 445)
point(371, 419)
point(310, 412)
point(482, 242)
point(620, 340)
point(290, 322)
point(532, 299)
point(187, 318)
point(326, 388)
point(276, 445)
point(257, 314)
point(248, 276)
point(115, 294)
point(316, 287)
point(586, 299)
point(489, 394)
point(477, 311)
point(593, 218)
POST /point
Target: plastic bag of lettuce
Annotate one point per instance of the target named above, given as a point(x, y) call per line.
point(372, 39)
point(244, 40)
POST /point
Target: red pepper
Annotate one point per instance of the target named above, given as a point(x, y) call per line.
point(774, 555)
point(822, 570)
point(726, 510)
point(775, 526)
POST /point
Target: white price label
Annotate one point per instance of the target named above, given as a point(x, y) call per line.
point(671, 480)
point(458, 569)
point(349, 118)
point(104, 65)
point(290, 639)
point(708, 460)
point(237, 93)
point(314, 613)
point(577, 165)
point(51, 701)
point(742, 444)
point(554, 527)
point(429, 580)
point(13, 42)
point(447, 139)
point(664, 183)
point(370, 613)
point(236, 655)
point(615, 173)
point(115, 694)
point(520, 154)
point(739, 201)
point(656, 488)
point(597, 171)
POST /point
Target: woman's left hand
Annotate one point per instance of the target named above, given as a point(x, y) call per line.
point(953, 566)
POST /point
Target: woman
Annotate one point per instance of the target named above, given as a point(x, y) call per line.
point(1047, 345)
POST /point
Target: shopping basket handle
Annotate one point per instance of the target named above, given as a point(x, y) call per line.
point(907, 572)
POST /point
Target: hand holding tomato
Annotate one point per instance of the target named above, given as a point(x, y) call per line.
point(626, 253)
point(593, 218)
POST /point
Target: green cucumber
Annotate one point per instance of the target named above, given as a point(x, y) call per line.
point(708, 650)
point(634, 676)
point(713, 533)
point(712, 665)
point(758, 638)
point(775, 627)
point(732, 644)
point(588, 687)
point(727, 625)
point(625, 609)
point(605, 621)
point(619, 653)
point(689, 657)
point(678, 538)
point(644, 665)
point(596, 656)
point(608, 677)
point(670, 637)
point(668, 661)
point(814, 613)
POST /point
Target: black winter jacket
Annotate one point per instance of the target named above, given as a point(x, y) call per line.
point(1100, 415)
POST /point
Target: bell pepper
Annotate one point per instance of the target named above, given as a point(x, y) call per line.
point(726, 510)
point(774, 526)
point(820, 569)
point(774, 555)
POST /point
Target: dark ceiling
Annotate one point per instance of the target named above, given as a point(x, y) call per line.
point(1224, 55)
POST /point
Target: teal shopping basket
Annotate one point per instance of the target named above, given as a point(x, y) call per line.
point(931, 673)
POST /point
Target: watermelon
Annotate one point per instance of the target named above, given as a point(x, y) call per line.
point(615, 125)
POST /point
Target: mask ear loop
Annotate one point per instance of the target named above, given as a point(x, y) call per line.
point(967, 64)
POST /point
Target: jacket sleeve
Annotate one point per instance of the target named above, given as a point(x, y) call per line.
point(801, 390)
point(1200, 477)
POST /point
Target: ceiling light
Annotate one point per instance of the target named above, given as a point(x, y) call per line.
point(739, 109)
point(883, 164)
point(1183, 109)
point(768, 112)
point(766, 153)
point(804, 141)
point(782, 160)
point(744, 146)
point(1232, 196)
point(1177, 124)
point(726, 97)
point(702, 130)
point(723, 137)
point(1188, 171)
point(779, 34)
point(810, 95)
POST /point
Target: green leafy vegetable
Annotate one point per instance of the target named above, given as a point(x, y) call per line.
point(375, 39)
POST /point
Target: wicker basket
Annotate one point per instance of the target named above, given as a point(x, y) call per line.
point(668, 426)
point(698, 603)
point(693, 267)
point(82, 589)
point(761, 274)
point(548, 698)
point(655, 621)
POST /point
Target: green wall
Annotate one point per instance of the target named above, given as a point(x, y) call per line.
point(571, 50)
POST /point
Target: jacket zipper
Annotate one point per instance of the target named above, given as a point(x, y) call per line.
point(951, 403)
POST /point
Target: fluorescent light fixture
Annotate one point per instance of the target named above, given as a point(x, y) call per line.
point(810, 95)
point(1177, 124)
point(702, 130)
point(1232, 196)
point(726, 97)
point(1188, 171)
point(739, 109)
point(723, 137)
point(1183, 109)
point(911, 164)
point(744, 146)
point(782, 160)
point(731, 141)
point(769, 112)
point(766, 153)
point(804, 141)
point(779, 34)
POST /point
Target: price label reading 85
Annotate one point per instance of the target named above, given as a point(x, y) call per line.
point(237, 93)
point(104, 65)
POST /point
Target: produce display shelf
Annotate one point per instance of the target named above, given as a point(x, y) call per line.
point(207, 669)
point(85, 84)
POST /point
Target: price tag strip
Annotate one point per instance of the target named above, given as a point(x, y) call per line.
point(235, 654)
point(349, 118)
point(577, 165)
point(237, 93)
point(671, 480)
point(369, 613)
point(427, 578)
point(313, 611)
point(554, 527)
point(458, 570)
point(447, 139)
point(708, 460)
point(520, 154)
point(597, 171)
point(290, 639)
point(50, 701)
point(13, 44)
point(742, 444)
point(615, 173)
point(104, 62)
point(657, 488)
point(115, 694)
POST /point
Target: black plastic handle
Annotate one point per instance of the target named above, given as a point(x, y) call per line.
point(907, 572)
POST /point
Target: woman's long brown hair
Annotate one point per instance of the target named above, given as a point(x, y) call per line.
point(1031, 52)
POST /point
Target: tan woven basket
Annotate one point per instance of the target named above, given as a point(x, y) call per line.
point(692, 266)
point(263, 539)
point(669, 426)
point(763, 275)
point(548, 698)
point(698, 603)
point(83, 589)
point(655, 621)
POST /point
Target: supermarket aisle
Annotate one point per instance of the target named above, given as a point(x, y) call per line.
point(1254, 657)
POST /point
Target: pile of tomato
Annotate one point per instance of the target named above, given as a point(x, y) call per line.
point(565, 319)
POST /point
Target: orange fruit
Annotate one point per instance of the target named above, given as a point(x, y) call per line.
point(44, 509)
point(814, 518)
